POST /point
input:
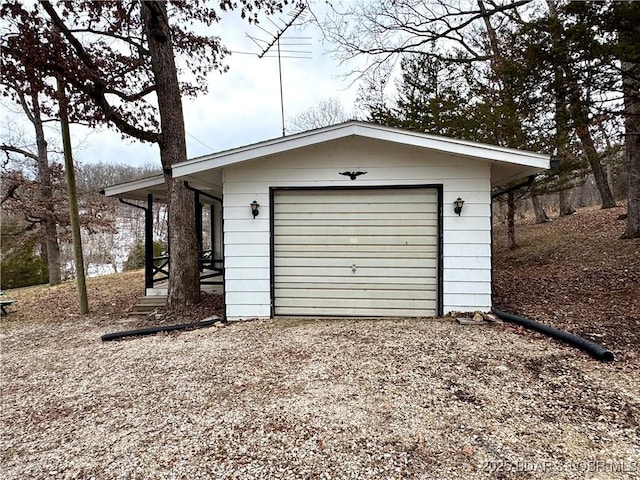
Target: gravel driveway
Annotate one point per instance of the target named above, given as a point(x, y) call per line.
point(319, 399)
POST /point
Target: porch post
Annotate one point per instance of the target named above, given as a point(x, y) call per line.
point(148, 242)
point(198, 222)
point(212, 236)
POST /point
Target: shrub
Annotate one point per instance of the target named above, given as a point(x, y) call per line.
point(135, 259)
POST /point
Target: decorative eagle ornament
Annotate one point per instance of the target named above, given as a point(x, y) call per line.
point(352, 175)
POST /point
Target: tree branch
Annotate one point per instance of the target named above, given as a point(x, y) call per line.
point(138, 46)
point(132, 97)
point(10, 193)
point(21, 98)
point(26, 153)
point(98, 89)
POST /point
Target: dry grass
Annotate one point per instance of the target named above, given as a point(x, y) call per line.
point(298, 398)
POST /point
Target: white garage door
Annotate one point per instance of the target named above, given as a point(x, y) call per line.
point(371, 252)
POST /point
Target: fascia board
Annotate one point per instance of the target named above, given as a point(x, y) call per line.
point(252, 152)
point(430, 142)
point(142, 184)
point(462, 147)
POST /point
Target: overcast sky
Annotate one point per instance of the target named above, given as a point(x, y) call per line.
point(243, 105)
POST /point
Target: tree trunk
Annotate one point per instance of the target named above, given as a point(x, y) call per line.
point(580, 115)
point(541, 215)
point(46, 196)
point(510, 133)
point(630, 63)
point(73, 201)
point(596, 167)
point(511, 221)
point(184, 276)
point(565, 205)
point(570, 106)
point(561, 114)
point(631, 89)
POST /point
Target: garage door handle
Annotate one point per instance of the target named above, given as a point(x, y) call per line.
point(353, 268)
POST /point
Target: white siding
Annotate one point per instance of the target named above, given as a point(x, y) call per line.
point(466, 238)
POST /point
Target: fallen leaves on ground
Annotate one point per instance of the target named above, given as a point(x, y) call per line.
point(340, 399)
point(576, 274)
point(290, 398)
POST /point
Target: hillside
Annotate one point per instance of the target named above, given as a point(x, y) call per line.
point(574, 273)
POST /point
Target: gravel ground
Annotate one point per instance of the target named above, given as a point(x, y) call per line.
point(319, 399)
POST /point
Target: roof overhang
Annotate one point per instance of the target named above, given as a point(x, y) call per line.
point(507, 164)
point(139, 189)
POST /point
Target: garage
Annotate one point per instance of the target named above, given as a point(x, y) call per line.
point(354, 219)
point(365, 252)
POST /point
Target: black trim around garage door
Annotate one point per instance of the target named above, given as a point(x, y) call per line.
point(437, 187)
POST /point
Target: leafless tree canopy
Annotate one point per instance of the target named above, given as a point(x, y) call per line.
point(324, 113)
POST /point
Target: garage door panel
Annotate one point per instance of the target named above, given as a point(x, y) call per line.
point(414, 215)
point(352, 312)
point(350, 231)
point(319, 281)
point(363, 262)
point(360, 303)
point(390, 235)
point(362, 223)
point(352, 285)
point(380, 240)
point(363, 251)
point(342, 272)
point(299, 210)
point(342, 197)
point(353, 293)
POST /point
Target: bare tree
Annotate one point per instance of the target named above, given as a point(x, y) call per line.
point(473, 32)
point(324, 113)
point(382, 31)
point(45, 212)
point(114, 56)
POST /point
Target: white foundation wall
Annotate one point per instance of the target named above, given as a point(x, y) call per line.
point(466, 242)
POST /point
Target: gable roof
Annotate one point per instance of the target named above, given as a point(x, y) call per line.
point(507, 164)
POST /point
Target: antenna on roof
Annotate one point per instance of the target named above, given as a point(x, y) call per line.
point(289, 46)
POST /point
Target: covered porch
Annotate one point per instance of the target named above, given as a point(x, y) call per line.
point(143, 194)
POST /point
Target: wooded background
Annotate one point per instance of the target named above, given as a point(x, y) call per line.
point(554, 76)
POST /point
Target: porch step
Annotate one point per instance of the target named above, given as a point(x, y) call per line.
point(156, 291)
point(148, 304)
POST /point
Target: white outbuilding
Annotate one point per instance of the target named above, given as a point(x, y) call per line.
point(354, 219)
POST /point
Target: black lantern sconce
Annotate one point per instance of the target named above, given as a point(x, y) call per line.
point(458, 205)
point(255, 208)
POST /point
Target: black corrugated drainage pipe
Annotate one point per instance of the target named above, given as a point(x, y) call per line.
point(595, 350)
point(153, 330)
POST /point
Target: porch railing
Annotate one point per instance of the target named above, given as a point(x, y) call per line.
point(211, 269)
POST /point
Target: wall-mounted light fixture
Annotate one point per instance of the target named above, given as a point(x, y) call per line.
point(255, 208)
point(458, 205)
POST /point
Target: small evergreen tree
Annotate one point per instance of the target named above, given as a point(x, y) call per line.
point(21, 264)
